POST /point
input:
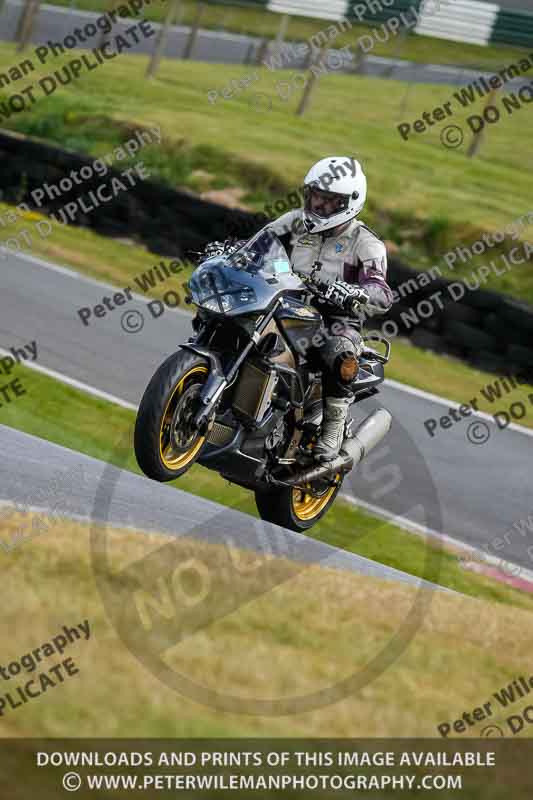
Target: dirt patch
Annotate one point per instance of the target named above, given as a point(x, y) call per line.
point(226, 197)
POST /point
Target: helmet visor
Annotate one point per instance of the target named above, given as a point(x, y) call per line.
point(324, 204)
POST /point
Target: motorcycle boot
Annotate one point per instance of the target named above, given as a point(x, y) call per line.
point(333, 425)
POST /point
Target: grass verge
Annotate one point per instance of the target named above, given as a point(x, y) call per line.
point(315, 628)
point(113, 261)
point(429, 201)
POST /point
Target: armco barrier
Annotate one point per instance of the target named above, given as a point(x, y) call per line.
point(459, 21)
point(471, 21)
point(336, 10)
point(485, 328)
point(512, 27)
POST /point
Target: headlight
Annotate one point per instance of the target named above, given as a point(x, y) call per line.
point(230, 301)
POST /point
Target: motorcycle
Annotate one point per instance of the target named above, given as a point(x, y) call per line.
point(242, 398)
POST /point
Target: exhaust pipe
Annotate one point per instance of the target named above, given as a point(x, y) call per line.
point(369, 434)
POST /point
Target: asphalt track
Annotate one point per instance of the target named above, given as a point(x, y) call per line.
point(471, 492)
point(135, 502)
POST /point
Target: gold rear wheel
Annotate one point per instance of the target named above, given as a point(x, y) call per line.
point(307, 506)
point(297, 509)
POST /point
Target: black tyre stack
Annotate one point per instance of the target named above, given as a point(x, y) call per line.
point(488, 330)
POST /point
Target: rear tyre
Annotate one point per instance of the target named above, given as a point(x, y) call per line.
point(166, 444)
point(295, 509)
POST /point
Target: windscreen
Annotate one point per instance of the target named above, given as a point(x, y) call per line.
point(263, 253)
point(235, 283)
point(214, 287)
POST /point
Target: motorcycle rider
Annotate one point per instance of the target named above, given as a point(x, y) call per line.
point(326, 234)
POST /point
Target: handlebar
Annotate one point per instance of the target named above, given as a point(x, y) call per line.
point(316, 286)
point(319, 288)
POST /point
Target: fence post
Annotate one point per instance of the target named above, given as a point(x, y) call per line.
point(475, 144)
point(359, 66)
point(282, 30)
point(403, 104)
point(400, 41)
point(262, 51)
point(249, 53)
point(310, 85)
point(26, 23)
point(159, 47)
point(308, 57)
point(189, 47)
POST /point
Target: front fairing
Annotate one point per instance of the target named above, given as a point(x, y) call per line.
point(245, 282)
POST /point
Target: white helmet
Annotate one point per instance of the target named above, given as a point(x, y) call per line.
point(334, 193)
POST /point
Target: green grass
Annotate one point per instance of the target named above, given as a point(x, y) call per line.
point(81, 422)
point(423, 199)
point(259, 22)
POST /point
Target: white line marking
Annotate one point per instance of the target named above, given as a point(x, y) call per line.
point(338, 559)
point(70, 273)
point(435, 398)
point(84, 387)
point(422, 530)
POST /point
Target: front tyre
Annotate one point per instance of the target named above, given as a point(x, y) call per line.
point(166, 442)
point(296, 509)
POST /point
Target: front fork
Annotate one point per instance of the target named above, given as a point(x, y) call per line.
point(212, 389)
point(217, 382)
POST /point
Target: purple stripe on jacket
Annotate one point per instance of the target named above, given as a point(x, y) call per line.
point(372, 278)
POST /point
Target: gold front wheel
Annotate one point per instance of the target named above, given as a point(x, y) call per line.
point(179, 442)
point(167, 442)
